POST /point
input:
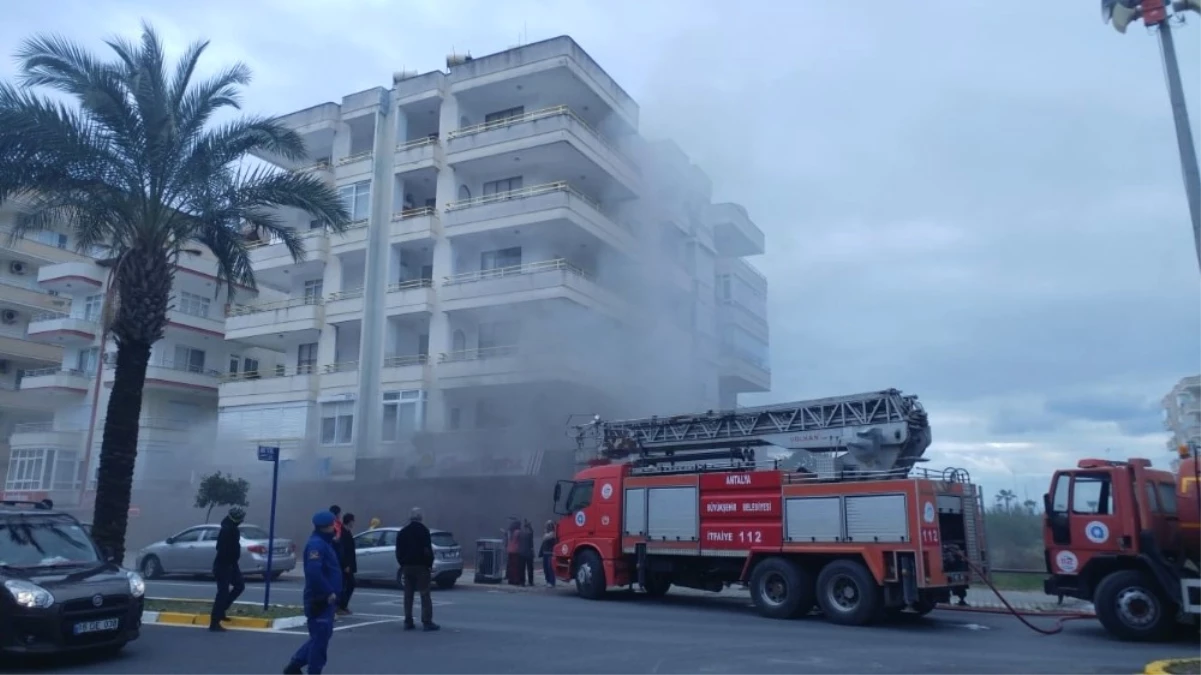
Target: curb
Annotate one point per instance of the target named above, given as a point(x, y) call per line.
point(1163, 667)
point(244, 622)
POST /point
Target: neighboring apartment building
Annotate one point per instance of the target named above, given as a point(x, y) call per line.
point(1182, 413)
point(52, 301)
point(518, 255)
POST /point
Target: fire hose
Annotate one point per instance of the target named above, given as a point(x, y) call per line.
point(1063, 617)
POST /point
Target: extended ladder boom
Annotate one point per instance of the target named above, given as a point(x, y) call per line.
point(881, 433)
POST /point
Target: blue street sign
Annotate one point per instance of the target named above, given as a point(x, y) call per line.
point(270, 453)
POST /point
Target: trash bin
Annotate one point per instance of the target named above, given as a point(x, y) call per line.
point(489, 561)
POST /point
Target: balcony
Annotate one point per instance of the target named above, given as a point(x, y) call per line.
point(275, 325)
point(354, 167)
point(72, 277)
point(320, 170)
point(406, 372)
point(734, 313)
point(743, 372)
point(14, 345)
point(166, 374)
point(516, 364)
point(353, 238)
point(532, 282)
point(274, 265)
point(196, 322)
point(733, 232)
point(27, 292)
point(41, 246)
point(12, 398)
point(279, 385)
point(46, 435)
point(340, 376)
point(57, 382)
point(409, 297)
point(344, 306)
point(552, 204)
point(423, 153)
point(414, 225)
point(542, 129)
point(64, 329)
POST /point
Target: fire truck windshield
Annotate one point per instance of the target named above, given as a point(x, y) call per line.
point(572, 496)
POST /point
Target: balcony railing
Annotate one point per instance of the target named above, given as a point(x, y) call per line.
point(90, 317)
point(244, 310)
point(171, 364)
point(43, 372)
point(314, 167)
point(14, 332)
point(404, 361)
point(515, 270)
point(202, 312)
point(267, 373)
point(34, 428)
point(345, 295)
point(535, 115)
point(420, 142)
point(496, 352)
point(350, 159)
point(25, 283)
point(419, 212)
point(411, 284)
point(271, 240)
point(343, 367)
point(522, 193)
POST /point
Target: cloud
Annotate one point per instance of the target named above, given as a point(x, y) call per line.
point(989, 216)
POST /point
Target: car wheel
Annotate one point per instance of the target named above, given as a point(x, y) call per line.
point(445, 584)
point(152, 568)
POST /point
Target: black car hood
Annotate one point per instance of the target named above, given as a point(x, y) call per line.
point(70, 581)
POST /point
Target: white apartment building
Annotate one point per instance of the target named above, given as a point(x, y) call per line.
point(1182, 413)
point(56, 382)
point(518, 254)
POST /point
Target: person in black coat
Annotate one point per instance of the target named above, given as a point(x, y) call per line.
point(350, 565)
point(225, 567)
point(415, 555)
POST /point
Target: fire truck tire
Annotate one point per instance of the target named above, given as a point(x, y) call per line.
point(657, 584)
point(590, 576)
point(848, 594)
point(781, 589)
point(1131, 607)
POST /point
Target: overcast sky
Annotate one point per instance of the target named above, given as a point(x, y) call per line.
point(979, 203)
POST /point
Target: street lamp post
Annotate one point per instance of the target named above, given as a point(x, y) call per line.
point(1154, 14)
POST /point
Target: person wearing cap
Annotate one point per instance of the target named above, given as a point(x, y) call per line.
point(225, 567)
point(322, 585)
point(415, 555)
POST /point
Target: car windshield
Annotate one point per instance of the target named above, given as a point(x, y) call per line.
point(45, 542)
point(253, 532)
point(443, 539)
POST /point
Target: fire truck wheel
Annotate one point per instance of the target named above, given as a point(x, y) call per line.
point(657, 584)
point(781, 589)
point(589, 576)
point(848, 594)
point(1130, 607)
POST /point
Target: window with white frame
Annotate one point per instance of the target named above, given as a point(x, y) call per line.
point(357, 199)
point(337, 423)
point(503, 115)
point(502, 186)
point(92, 306)
point(193, 305)
point(404, 414)
point(313, 288)
point(39, 469)
point(85, 361)
point(500, 258)
point(188, 359)
point(306, 358)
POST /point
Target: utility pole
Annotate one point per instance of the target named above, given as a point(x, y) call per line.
point(1154, 15)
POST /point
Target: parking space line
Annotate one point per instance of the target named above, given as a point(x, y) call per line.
point(368, 623)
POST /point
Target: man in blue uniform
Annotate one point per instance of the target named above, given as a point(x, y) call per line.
point(322, 585)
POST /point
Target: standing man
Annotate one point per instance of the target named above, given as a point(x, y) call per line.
point(322, 584)
point(349, 562)
point(415, 555)
point(527, 552)
point(225, 567)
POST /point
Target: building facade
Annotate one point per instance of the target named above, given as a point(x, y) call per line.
point(1182, 413)
point(518, 255)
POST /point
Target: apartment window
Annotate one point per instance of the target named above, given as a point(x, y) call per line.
point(92, 306)
point(404, 414)
point(499, 334)
point(337, 423)
point(188, 359)
point(357, 199)
point(502, 115)
point(306, 358)
point(427, 272)
point(316, 224)
point(235, 363)
point(85, 361)
point(37, 469)
point(488, 415)
point(723, 287)
point(250, 366)
point(423, 344)
point(500, 259)
point(499, 187)
point(454, 419)
point(193, 305)
point(313, 289)
point(458, 341)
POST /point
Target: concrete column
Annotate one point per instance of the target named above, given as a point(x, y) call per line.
point(331, 282)
point(402, 126)
point(327, 346)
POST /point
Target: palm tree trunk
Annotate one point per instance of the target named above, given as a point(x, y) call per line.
point(119, 449)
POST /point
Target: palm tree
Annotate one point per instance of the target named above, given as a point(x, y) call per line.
point(133, 164)
point(1004, 497)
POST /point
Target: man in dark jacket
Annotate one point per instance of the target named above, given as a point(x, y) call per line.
point(349, 562)
point(225, 567)
point(526, 548)
point(415, 555)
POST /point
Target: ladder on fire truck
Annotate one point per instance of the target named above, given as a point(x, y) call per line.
point(875, 434)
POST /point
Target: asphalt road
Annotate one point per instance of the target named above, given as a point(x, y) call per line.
point(500, 632)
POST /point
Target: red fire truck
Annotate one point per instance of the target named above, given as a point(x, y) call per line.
point(1126, 537)
point(840, 518)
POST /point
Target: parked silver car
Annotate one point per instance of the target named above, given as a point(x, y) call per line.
point(375, 552)
point(192, 551)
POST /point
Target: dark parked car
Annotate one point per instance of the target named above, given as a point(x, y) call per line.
point(59, 592)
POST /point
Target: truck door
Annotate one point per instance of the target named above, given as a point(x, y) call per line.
point(1102, 514)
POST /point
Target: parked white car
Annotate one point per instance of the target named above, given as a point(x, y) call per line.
point(375, 552)
point(191, 552)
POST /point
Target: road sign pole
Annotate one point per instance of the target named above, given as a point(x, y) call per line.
point(270, 454)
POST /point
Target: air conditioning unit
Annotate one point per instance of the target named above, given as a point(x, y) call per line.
point(9, 316)
point(18, 268)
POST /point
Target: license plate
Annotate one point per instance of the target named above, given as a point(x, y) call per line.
point(96, 626)
point(281, 551)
